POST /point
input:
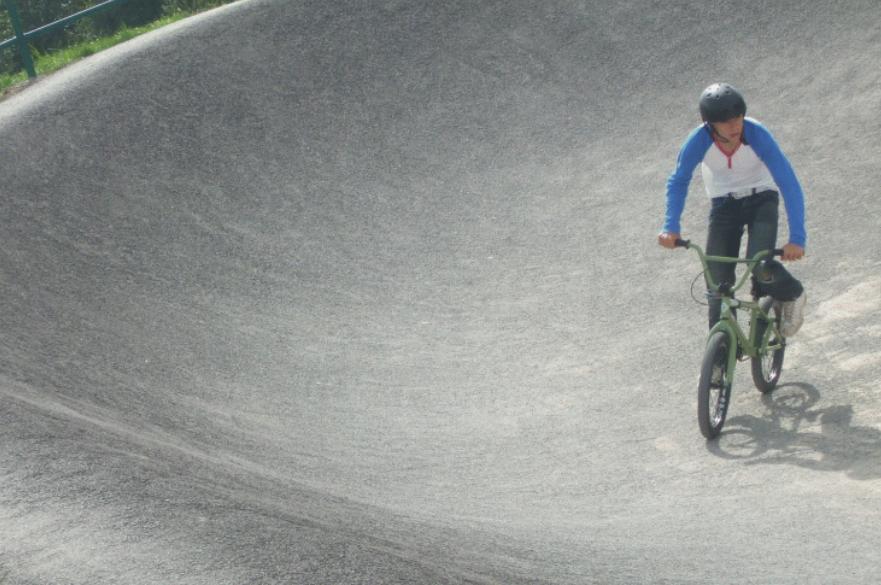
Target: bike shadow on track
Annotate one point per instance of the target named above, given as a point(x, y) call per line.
point(795, 430)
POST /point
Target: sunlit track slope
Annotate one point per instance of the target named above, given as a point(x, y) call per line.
point(314, 292)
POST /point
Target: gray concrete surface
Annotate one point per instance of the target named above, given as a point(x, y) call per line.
point(331, 292)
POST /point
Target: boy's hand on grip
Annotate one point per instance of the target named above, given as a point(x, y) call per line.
point(668, 240)
point(793, 252)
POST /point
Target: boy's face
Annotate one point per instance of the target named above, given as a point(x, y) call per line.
point(730, 130)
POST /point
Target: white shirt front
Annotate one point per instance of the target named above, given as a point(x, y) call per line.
point(737, 173)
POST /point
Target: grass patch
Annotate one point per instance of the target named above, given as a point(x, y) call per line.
point(47, 63)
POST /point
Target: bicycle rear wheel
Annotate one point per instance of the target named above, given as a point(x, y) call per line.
point(714, 387)
point(767, 366)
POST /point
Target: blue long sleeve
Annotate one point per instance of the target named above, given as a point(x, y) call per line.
point(690, 155)
point(769, 151)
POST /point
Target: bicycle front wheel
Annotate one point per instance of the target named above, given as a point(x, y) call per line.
point(768, 365)
point(714, 387)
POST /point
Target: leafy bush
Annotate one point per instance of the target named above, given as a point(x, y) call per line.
point(36, 13)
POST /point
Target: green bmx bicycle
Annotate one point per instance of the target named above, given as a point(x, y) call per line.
point(727, 343)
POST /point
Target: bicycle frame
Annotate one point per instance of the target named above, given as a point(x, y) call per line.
point(749, 345)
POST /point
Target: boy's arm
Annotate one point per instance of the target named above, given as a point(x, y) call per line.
point(690, 155)
point(781, 170)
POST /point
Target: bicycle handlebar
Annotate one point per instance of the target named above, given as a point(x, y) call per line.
point(680, 243)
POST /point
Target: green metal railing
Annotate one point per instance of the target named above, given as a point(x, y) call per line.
point(21, 38)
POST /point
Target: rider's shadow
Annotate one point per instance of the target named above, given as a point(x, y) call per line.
point(795, 431)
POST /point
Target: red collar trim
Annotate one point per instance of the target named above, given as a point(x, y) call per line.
point(730, 155)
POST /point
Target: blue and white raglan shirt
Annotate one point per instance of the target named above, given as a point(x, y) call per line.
point(758, 163)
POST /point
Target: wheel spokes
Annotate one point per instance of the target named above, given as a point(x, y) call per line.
point(719, 399)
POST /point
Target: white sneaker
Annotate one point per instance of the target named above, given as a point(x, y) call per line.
point(793, 315)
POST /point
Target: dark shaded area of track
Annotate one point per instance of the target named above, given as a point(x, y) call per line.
point(320, 293)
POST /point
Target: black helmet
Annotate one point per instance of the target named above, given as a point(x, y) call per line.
point(721, 102)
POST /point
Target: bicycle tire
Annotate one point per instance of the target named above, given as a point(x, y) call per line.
point(767, 367)
point(713, 397)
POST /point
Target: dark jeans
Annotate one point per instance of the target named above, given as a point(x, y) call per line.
point(728, 218)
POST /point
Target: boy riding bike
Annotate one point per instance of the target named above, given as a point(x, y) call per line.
point(743, 168)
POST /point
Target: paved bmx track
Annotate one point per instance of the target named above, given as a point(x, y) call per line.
point(336, 293)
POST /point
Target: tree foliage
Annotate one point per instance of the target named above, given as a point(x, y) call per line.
point(36, 13)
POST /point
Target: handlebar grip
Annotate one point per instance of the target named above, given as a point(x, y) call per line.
point(680, 243)
point(778, 252)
